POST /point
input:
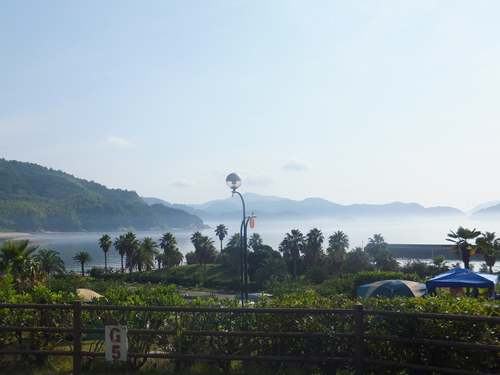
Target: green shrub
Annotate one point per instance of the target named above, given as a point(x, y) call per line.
point(317, 275)
point(290, 294)
point(341, 286)
point(36, 317)
point(96, 272)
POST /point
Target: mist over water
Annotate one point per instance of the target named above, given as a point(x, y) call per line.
point(272, 233)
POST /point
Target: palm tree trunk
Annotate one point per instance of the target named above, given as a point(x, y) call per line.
point(83, 271)
point(168, 266)
point(466, 258)
point(106, 262)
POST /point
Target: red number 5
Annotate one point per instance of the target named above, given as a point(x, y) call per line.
point(116, 352)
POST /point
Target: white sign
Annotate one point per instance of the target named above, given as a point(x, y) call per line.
point(116, 343)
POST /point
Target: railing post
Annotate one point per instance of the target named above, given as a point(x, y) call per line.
point(77, 337)
point(358, 339)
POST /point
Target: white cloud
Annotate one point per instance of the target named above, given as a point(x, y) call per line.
point(183, 182)
point(261, 178)
point(296, 165)
point(120, 142)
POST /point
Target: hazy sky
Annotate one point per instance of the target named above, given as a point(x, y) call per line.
point(351, 101)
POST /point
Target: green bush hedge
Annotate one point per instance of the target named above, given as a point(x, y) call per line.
point(408, 327)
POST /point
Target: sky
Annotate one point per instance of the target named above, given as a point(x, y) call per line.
point(351, 101)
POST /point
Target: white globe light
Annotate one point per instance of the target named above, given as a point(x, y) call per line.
point(233, 181)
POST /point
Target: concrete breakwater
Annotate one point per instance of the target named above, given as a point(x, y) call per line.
point(424, 251)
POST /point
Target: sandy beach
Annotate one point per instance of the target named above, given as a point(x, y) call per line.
point(16, 235)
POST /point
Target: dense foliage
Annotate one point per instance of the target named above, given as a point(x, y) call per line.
point(35, 198)
point(325, 280)
point(300, 322)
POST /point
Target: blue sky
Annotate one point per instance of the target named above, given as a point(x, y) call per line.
point(354, 102)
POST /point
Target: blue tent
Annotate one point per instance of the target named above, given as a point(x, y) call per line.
point(392, 288)
point(462, 278)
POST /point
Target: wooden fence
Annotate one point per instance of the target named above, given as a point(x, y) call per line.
point(355, 335)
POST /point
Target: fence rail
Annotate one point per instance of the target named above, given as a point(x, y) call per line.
point(357, 336)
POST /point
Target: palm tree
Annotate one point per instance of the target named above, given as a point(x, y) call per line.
point(83, 258)
point(270, 267)
point(255, 241)
point(314, 247)
point(191, 258)
point(169, 245)
point(221, 232)
point(143, 256)
point(231, 254)
point(147, 251)
point(463, 248)
point(161, 259)
point(291, 246)
point(36, 275)
point(385, 261)
point(358, 260)
point(177, 258)
point(234, 241)
point(375, 244)
point(23, 267)
point(196, 238)
point(105, 244)
point(205, 251)
point(120, 247)
point(50, 261)
point(131, 245)
point(338, 243)
point(439, 265)
point(489, 248)
point(340, 238)
point(336, 257)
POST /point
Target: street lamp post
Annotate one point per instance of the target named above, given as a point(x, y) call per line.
point(233, 181)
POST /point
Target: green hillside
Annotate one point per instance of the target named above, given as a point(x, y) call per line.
point(34, 198)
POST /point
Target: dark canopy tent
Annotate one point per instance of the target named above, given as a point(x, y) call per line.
point(391, 289)
point(462, 278)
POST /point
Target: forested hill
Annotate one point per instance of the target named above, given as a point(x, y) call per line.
point(35, 198)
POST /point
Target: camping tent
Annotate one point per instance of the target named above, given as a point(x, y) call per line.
point(87, 294)
point(462, 278)
point(392, 288)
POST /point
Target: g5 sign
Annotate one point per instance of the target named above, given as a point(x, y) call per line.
point(116, 343)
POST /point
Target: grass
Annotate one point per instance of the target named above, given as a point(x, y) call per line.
point(58, 365)
point(217, 270)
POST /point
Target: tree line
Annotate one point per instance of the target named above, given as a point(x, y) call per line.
point(297, 255)
point(34, 198)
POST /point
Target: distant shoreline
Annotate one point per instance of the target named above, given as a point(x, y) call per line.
point(15, 234)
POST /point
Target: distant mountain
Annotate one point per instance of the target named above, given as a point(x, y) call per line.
point(193, 211)
point(483, 206)
point(152, 201)
point(275, 208)
point(236, 201)
point(35, 198)
point(490, 213)
point(317, 207)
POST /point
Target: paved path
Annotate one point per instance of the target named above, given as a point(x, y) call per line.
point(201, 293)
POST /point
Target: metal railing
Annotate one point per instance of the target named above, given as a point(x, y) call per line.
point(356, 335)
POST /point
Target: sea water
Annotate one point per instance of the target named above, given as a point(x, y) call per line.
point(272, 233)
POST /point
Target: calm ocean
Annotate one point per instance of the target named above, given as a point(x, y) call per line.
point(394, 232)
